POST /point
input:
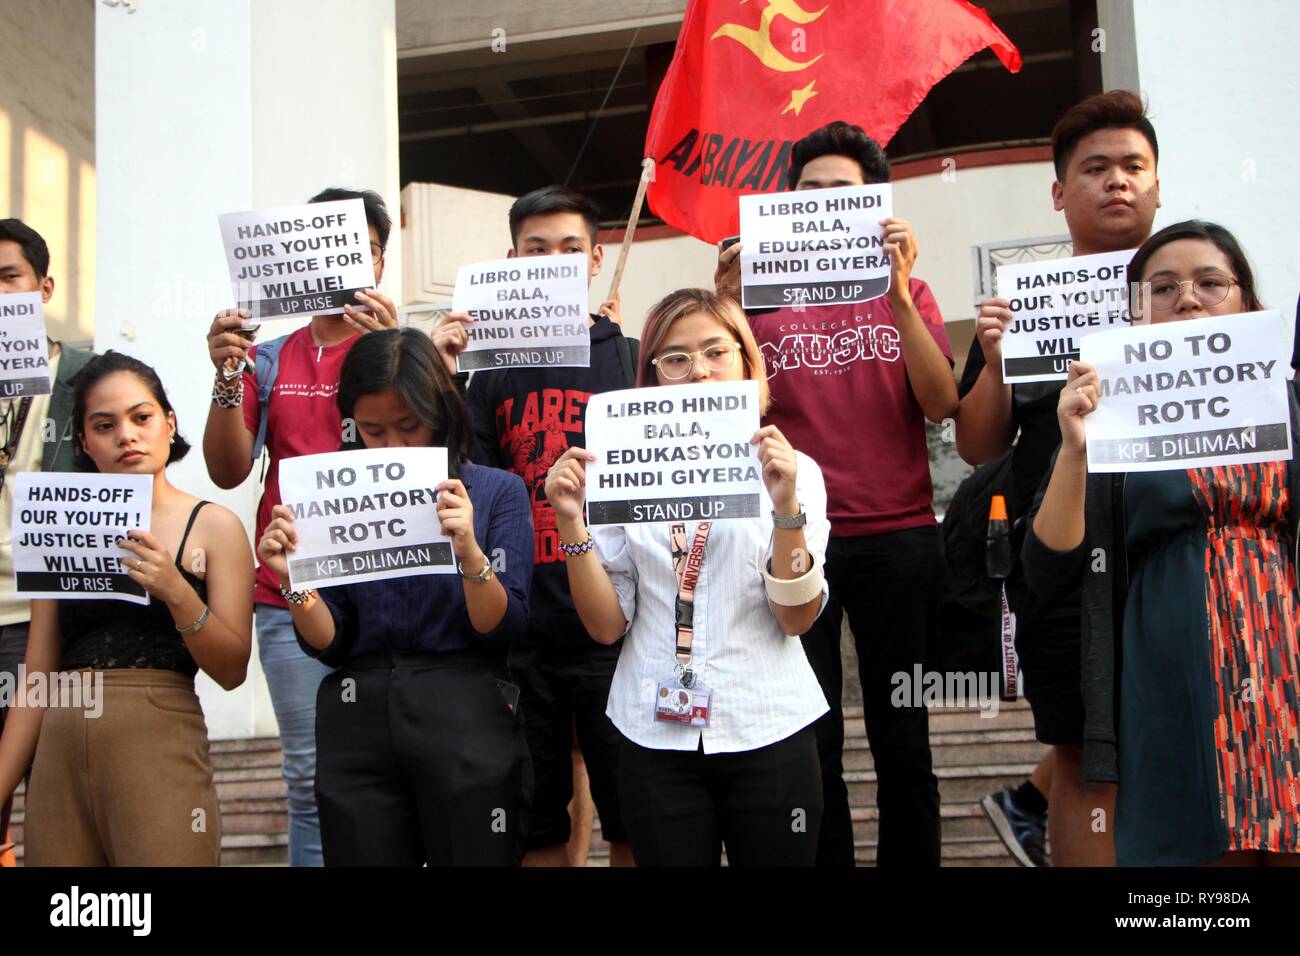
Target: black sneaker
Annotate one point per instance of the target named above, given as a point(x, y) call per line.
point(1024, 833)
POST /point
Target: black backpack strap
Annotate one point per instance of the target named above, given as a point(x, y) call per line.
point(628, 350)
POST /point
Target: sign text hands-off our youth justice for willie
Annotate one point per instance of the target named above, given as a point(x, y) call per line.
point(298, 260)
point(365, 515)
point(1054, 304)
point(1190, 394)
point(814, 247)
point(65, 532)
point(528, 312)
point(673, 453)
point(24, 349)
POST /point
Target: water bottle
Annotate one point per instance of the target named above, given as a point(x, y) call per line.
point(997, 555)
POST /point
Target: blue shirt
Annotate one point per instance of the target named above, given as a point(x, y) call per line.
point(427, 612)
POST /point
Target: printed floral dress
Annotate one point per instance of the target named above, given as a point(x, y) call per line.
point(1209, 753)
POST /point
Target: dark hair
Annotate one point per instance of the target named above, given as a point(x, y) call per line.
point(406, 360)
point(35, 251)
point(1209, 232)
point(1117, 109)
point(840, 139)
point(553, 199)
point(376, 211)
point(99, 368)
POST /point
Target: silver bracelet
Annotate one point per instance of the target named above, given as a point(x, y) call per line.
point(790, 522)
point(197, 625)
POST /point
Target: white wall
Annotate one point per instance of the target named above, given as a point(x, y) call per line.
point(445, 228)
point(204, 108)
point(986, 204)
point(47, 146)
point(1223, 83)
point(655, 267)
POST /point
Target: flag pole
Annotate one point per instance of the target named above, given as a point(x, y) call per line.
point(647, 173)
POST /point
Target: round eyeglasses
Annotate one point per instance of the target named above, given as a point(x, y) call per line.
point(716, 358)
point(1209, 289)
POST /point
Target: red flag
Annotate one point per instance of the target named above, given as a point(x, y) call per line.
point(749, 77)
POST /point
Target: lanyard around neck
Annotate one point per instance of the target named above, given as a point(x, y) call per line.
point(687, 564)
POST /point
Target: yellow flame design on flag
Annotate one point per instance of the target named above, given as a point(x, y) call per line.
point(759, 42)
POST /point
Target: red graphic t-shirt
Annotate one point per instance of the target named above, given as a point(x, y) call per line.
point(304, 420)
point(840, 394)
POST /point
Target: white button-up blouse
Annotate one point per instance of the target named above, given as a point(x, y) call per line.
point(764, 690)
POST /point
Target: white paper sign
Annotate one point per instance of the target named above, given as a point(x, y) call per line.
point(814, 247)
point(1190, 394)
point(24, 349)
point(366, 515)
point(298, 260)
point(65, 529)
point(673, 453)
point(529, 312)
point(1054, 304)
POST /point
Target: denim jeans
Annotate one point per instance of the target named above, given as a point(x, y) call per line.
point(293, 679)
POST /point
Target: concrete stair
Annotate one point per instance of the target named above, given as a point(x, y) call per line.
point(973, 756)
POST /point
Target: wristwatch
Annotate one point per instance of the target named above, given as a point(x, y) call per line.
point(790, 521)
point(482, 577)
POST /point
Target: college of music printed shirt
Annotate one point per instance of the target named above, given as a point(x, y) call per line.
point(840, 393)
point(764, 690)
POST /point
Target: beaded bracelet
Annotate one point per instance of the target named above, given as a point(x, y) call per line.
point(298, 598)
point(582, 547)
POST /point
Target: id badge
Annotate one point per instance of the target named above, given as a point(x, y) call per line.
point(683, 705)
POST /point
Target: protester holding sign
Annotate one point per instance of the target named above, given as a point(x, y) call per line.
point(283, 401)
point(1104, 150)
point(35, 435)
point(715, 703)
point(1192, 606)
point(524, 419)
point(131, 784)
point(853, 385)
point(422, 758)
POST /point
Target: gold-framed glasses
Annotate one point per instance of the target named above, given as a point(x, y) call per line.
point(1210, 289)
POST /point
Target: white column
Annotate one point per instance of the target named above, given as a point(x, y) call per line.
point(1222, 81)
point(209, 106)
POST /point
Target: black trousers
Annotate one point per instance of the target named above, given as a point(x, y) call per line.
point(889, 586)
point(681, 806)
point(421, 758)
point(564, 689)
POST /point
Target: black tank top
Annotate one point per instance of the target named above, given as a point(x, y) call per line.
point(111, 635)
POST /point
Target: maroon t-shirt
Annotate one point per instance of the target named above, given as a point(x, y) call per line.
point(840, 394)
point(303, 420)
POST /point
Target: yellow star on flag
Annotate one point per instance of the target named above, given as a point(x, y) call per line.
point(798, 98)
